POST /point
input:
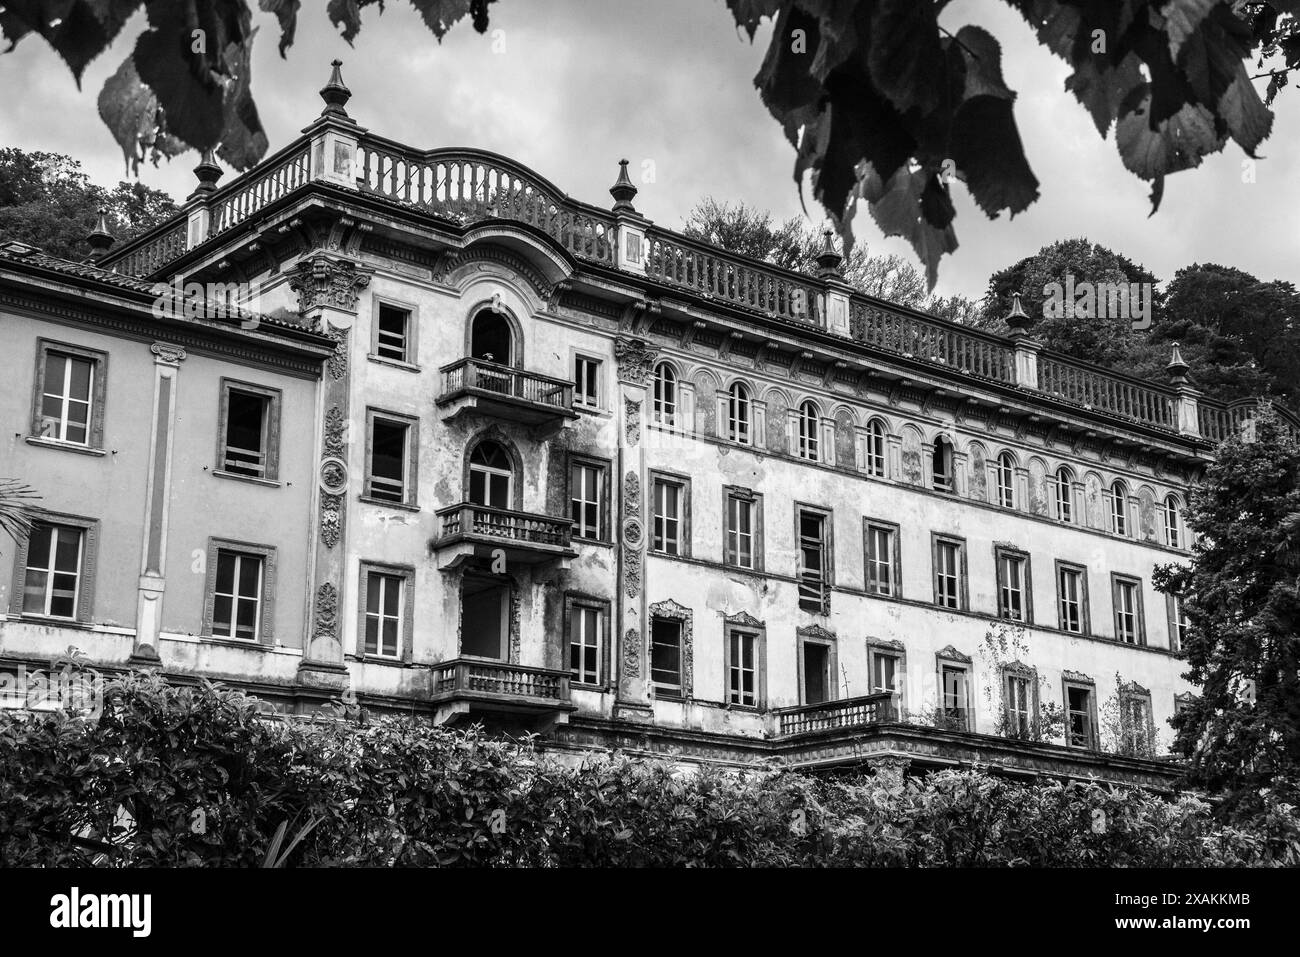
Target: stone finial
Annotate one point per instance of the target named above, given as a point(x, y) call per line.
point(623, 190)
point(100, 239)
point(207, 173)
point(1017, 319)
point(829, 262)
point(335, 93)
point(1177, 367)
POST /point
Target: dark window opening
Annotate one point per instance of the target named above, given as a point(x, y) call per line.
point(491, 339)
point(484, 618)
point(812, 561)
point(245, 449)
point(391, 340)
point(666, 655)
point(816, 673)
point(388, 461)
point(942, 466)
point(1079, 718)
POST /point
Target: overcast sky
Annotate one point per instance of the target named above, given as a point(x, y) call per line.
point(581, 83)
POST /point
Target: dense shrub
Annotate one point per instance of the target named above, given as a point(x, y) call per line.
point(200, 776)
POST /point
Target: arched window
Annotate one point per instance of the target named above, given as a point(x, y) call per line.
point(1119, 508)
point(876, 448)
point(664, 409)
point(808, 426)
point(1173, 523)
point(738, 414)
point(1064, 494)
point(1006, 480)
point(491, 476)
point(942, 465)
point(490, 338)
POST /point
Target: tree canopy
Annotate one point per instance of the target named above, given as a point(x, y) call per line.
point(1241, 596)
point(880, 102)
point(46, 200)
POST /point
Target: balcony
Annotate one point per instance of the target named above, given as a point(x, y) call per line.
point(478, 531)
point(463, 688)
point(503, 392)
point(833, 715)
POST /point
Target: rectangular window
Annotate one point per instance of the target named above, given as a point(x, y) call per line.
point(1018, 692)
point(586, 377)
point(1128, 610)
point(67, 395)
point(883, 564)
point(814, 559)
point(670, 506)
point(52, 578)
point(1136, 729)
point(385, 597)
point(953, 684)
point(949, 570)
point(237, 596)
point(393, 333)
point(1013, 584)
point(886, 672)
point(666, 655)
point(587, 493)
point(1072, 598)
point(742, 668)
point(1177, 623)
point(1080, 722)
point(390, 468)
point(249, 426)
point(743, 525)
point(586, 641)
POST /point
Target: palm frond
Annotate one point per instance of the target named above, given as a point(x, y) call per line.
point(16, 504)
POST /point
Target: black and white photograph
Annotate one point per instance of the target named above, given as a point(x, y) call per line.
point(851, 442)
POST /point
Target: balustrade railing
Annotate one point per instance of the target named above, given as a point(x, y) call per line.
point(154, 254)
point(715, 274)
point(500, 678)
point(243, 198)
point(1105, 392)
point(473, 186)
point(832, 715)
point(525, 528)
point(467, 374)
point(958, 349)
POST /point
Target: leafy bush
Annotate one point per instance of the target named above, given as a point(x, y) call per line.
point(179, 776)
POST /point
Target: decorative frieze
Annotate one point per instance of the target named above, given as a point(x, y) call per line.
point(322, 280)
point(632, 653)
point(635, 360)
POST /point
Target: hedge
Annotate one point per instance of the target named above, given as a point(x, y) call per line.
point(199, 776)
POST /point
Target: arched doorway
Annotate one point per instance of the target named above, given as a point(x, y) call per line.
point(491, 476)
point(491, 339)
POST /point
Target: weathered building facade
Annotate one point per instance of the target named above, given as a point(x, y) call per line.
point(474, 449)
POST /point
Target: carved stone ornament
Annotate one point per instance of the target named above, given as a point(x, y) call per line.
point(331, 518)
point(744, 619)
point(632, 533)
point(166, 352)
point(632, 653)
point(893, 644)
point(325, 281)
point(327, 610)
point(816, 631)
point(633, 425)
point(335, 428)
point(338, 360)
point(632, 572)
point(632, 492)
point(952, 654)
point(635, 359)
point(1077, 677)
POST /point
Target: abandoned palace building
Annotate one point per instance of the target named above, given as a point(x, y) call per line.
point(415, 428)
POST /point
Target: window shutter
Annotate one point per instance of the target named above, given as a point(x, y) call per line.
point(685, 412)
point(827, 449)
point(1171, 621)
point(758, 424)
point(723, 420)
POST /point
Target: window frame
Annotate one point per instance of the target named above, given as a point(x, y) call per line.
point(1085, 614)
point(1003, 553)
point(1012, 673)
point(963, 595)
point(1117, 495)
point(808, 431)
point(1005, 471)
point(732, 628)
point(603, 470)
point(944, 664)
point(827, 549)
point(945, 452)
point(98, 392)
point(266, 604)
point(892, 529)
point(1173, 521)
point(1064, 494)
point(877, 466)
point(583, 602)
point(658, 689)
point(895, 650)
point(410, 337)
point(1177, 622)
point(683, 483)
point(816, 635)
point(406, 620)
point(1082, 684)
point(1139, 613)
point(737, 403)
point(410, 491)
point(270, 451)
point(755, 500)
point(597, 383)
point(664, 412)
point(83, 611)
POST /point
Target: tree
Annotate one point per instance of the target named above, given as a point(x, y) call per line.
point(880, 102)
point(1241, 596)
point(794, 244)
point(1068, 264)
point(47, 201)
